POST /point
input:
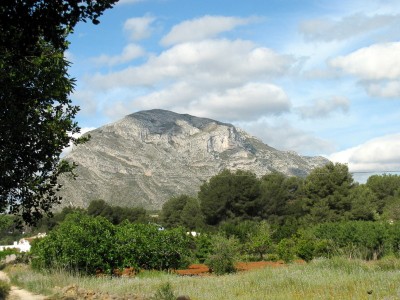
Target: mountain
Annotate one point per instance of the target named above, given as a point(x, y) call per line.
point(150, 156)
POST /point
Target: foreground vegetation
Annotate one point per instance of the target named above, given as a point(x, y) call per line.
point(349, 234)
point(336, 278)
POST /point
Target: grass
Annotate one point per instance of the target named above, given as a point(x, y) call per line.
point(336, 278)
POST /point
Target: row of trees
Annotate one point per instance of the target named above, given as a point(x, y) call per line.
point(85, 244)
point(327, 194)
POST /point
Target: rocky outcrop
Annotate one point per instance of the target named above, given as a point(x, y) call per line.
point(149, 156)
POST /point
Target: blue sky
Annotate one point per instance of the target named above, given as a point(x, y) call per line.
point(315, 77)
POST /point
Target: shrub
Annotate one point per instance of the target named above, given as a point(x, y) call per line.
point(7, 252)
point(388, 263)
point(203, 247)
point(146, 246)
point(5, 289)
point(224, 255)
point(80, 243)
point(259, 240)
point(165, 292)
point(85, 244)
point(286, 250)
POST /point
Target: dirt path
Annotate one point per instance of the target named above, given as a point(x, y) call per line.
point(20, 294)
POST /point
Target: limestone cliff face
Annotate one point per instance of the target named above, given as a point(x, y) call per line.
point(150, 156)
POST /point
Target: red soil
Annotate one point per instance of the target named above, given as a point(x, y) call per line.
point(203, 270)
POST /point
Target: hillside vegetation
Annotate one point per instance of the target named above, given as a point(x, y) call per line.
point(326, 219)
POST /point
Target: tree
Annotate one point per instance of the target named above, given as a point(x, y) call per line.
point(116, 214)
point(384, 187)
point(259, 240)
point(326, 191)
point(229, 196)
point(278, 195)
point(80, 243)
point(36, 114)
point(183, 211)
point(363, 204)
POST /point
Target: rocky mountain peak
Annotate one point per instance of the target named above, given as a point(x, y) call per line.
point(149, 156)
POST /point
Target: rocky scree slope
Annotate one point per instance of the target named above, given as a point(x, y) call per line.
point(150, 156)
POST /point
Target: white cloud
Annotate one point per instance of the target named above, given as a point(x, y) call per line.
point(224, 79)
point(202, 28)
point(283, 136)
point(69, 56)
point(209, 63)
point(129, 53)
point(121, 2)
point(247, 102)
point(68, 149)
point(86, 99)
point(384, 89)
point(376, 62)
point(347, 27)
point(376, 155)
point(323, 108)
point(139, 28)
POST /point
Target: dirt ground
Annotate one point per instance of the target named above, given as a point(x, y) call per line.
point(203, 270)
point(19, 294)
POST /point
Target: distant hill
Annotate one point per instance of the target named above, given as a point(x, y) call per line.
point(150, 156)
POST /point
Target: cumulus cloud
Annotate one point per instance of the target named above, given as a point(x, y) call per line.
point(202, 28)
point(224, 79)
point(377, 67)
point(222, 63)
point(139, 28)
point(384, 89)
point(323, 108)
point(349, 26)
point(376, 155)
point(283, 136)
point(376, 62)
point(129, 53)
point(247, 102)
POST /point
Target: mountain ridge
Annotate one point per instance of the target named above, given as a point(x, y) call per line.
point(149, 156)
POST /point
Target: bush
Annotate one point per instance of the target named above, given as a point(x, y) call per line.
point(272, 257)
point(165, 292)
point(203, 247)
point(286, 250)
point(5, 289)
point(85, 244)
point(359, 239)
point(224, 255)
point(80, 243)
point(6, 252)
point(388, 263)
point(148, 247)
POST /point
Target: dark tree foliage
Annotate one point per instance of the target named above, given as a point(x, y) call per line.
point(117, 214)
point(183, 211)
point(278, 196)
point(363, 204)
point(326, 191)
point(36, 114)
point(230, 195)
point(384, 187)
point(8, 230)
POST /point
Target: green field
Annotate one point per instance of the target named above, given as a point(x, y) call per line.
point(336, 278)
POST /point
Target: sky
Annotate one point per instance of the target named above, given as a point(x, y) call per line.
point(314, 77)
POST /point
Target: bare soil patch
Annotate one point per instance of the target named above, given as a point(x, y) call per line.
point(203, 270)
